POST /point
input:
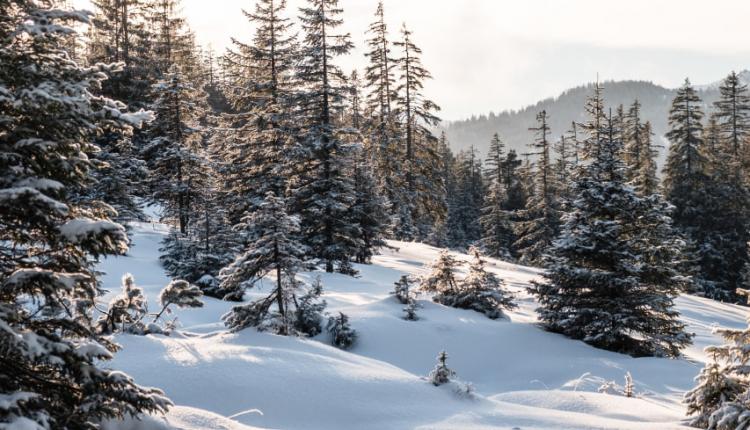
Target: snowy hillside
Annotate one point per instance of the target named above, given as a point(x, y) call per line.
point(523, 377)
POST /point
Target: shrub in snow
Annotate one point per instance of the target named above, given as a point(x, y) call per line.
point(628, 390)
point(342, 335)
point(609, 387)
point(52, 370)
point(181, 294)
point(126, 310)
point(410, 311)
point(309, 312)
point(441, 374)
point(481, 291)
point(442, 276)
point(345, 267)
point(721, 399)
point(401, 290)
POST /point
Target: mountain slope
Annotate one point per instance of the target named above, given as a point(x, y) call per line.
point(523, 377)
point(513, 125)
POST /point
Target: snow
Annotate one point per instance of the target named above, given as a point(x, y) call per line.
point(79, 229)
point(523, 377)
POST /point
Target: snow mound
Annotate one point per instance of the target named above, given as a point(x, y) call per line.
point(523, 377)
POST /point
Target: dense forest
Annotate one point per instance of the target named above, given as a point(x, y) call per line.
point(269, 160)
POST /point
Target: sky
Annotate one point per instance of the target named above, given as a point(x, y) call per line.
point(494, 55)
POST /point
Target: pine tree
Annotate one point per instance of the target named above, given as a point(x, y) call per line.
point(442, 276)
point(382, 130)
point(324, 191)
point(563, 167)
point(635, 139)
point(710, 199)
point(497, 230)
point(611, 277)
point(480, 291)
point(181, 294)
point(178, 166)
point(441, 374)
point(733, 111)
point(50, 233)
point(258, 149)
point(125, 311)
point(467, 200)
point(645, 179)
point(423, 187)
point(402, 290)
point(272, 247)
point(309, 312)
point(721, 399)
point(342, 334)
point(368, 211)
point(540, 221)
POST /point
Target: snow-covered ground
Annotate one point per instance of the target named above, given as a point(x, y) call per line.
point(524, 378)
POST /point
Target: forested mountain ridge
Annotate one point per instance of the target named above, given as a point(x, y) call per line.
point(513, 125)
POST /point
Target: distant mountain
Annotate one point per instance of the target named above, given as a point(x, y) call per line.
point(569, 106)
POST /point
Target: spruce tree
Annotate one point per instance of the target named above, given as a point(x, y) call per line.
point(442, 276)
point(480, 291)
point(382, 130)
point(710, 198)
point(634, 141)
point(423, 188)
point(324, 190)
point(369, 211)
point(273, 248)
point(721, 398)
point(178, 166)
point(258, 148)
point(51, 373)
point(645, 179)
point(607, 282)
point(733, 111)
point(497, 230)
point(466, 203)
point(540, 221)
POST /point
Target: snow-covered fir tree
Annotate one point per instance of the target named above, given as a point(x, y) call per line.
point(402, 289)
point(721, 398)
point(708, 193)
point(611, 277)
point(381, 129)
point(539, 222)
point(497, 229)
point(466, 201)
point(181, 294)
point(257, 147)
point(442, 276)
point(177, 164)
point(50, 233)
point(733, 112)
point(309, 312)
point(645, 180)
point(125, 311)
point(342, 334)
point(323, 188)
point(441, 374)
point(423, 197)
point(369, 210)
point(480, 291)
point(273, 248)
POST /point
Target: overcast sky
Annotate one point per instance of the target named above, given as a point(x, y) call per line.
point(505, 54)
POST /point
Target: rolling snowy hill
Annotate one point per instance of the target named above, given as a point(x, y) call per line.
point(523, 377)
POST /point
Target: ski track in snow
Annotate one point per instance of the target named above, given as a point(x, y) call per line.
point(523, 377)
